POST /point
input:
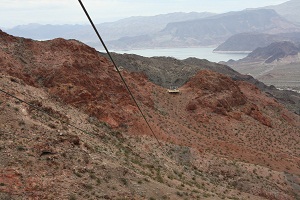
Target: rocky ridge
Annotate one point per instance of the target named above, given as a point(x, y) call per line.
point(170, 72)
point(276, 52)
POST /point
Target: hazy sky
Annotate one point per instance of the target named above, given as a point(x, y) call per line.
point(18, 12)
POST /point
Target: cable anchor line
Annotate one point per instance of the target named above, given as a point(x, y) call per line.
point(42, 111)
point(112, 60)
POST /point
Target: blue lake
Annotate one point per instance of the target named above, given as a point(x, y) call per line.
point(183, 53)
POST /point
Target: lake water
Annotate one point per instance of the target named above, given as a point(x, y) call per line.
point(183, 53)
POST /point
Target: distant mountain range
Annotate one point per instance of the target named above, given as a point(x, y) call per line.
point(176, 29)
point(276, 64)
point(49, 31)
point(247, 42)
point(132, 26)
point(210, 30)
point(250, 41)
point(277, 52)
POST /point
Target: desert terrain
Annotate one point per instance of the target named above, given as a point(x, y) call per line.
point(69, 130)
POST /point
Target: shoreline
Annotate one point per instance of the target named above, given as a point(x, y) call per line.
point(232, 52)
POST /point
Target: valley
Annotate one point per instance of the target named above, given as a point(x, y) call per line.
point(277, 64)
point(285, 76)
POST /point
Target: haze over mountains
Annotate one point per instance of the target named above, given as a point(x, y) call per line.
point(247, 42)
point(132, 26)
point(274, 52)
point(289, 10)
point(172, 30)
point(277, 64)
point(211, 30)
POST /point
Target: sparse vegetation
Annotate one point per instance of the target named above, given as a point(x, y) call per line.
point(226, 153)
point(72, 197)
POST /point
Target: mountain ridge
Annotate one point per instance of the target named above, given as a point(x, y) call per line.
point(276, 64)
point(211, 30)
point(247, 42)
point(132, 26)
point(289, 10)
point(165, 30)
point(275, 52)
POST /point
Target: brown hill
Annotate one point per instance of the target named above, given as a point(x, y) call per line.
point(48, 64)
point(168, 72)
point(221, 139)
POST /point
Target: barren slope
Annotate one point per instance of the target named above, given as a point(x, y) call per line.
point(220, 138)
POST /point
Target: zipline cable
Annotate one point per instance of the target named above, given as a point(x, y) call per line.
point(112, 60)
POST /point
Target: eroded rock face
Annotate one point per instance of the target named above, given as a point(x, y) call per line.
point(253, 111)
point(223, 96)
point(216, 91)
point(72, 72)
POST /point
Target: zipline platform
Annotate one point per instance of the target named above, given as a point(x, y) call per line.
point(120, 68)
point(173, 91)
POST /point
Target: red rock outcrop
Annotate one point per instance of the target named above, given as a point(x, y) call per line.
point(216, 91)
point(72, 72)
point(223, 96)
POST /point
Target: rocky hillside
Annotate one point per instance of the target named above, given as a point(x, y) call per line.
point(210, 30)
point(169, 72)
point(219, 138)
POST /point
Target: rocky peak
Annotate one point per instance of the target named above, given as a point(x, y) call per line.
point(71, 71)
point(274, 52)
